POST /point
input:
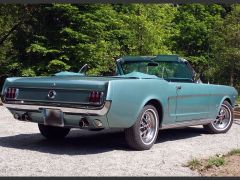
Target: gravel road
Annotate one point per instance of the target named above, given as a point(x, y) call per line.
point(24, 152)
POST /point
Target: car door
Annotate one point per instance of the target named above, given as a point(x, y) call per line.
point(193, 101)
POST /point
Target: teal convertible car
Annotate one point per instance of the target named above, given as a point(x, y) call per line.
point(146, 94)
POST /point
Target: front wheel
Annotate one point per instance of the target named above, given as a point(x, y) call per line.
point(52, 132)
point(143, 134)
point(224, 120)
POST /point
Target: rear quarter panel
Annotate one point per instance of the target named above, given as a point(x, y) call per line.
point(129, 97)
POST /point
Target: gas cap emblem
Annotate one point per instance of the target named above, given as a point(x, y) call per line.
point(52, 94)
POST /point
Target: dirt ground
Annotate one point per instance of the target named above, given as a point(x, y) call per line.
point(230, 166)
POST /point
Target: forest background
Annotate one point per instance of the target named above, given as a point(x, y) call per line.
point(42, 39)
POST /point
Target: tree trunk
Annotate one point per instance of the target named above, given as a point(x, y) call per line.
point(232, 74)
point(9, 32)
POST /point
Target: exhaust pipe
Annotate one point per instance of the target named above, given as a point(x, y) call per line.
point(26, 117)
point(83, 123)
point(17, 116)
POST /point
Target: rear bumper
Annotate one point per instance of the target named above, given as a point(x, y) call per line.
point(86, 110)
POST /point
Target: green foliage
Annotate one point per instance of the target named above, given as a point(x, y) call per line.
point(57, 66)
point(194, 24)
point(227, 61)
point(28, 72)
point(150, 28)
point(215, 161)
point(8, 18)
point(47, 38)
point(212, 162)
point(234, 152)
point(194, 164)
point(43, 51)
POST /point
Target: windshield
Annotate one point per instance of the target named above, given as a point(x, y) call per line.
point(168, 70)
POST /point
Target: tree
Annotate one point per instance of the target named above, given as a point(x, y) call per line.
point(47, 38)
point(227, 48)
point(194, 24)
point(11, 18)
point(66, 36)
point(148, 28)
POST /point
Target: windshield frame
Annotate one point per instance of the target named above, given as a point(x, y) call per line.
point(120, 70)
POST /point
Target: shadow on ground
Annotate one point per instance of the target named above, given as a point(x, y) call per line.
point(236, 121)
point(80, 142)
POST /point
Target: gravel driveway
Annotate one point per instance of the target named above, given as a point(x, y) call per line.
point(24, 152)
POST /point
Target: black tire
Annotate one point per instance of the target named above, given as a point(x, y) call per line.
point(52, 132)
point(213, 126)
point(133, 134)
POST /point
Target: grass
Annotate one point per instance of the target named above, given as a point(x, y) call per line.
point(234, 152)
point(194, 164)
point(215, 161)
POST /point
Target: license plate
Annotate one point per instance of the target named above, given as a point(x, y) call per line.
point(53, 117)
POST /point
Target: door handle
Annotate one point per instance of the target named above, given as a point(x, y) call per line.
point(178, 87)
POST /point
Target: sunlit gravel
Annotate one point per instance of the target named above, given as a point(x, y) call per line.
point(24, 152)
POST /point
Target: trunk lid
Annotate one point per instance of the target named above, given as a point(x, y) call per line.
point(68, 89)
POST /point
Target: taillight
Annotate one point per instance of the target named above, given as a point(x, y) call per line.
point(11, 93)
point(96, 97)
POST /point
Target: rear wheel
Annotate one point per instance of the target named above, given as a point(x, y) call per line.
point(224, 120)
point(143, 134)
point(52, 132)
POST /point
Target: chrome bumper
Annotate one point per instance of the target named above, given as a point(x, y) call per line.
point(87, 111)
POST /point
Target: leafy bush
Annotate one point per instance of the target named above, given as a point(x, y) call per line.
point(57, 66)
point(28, 72)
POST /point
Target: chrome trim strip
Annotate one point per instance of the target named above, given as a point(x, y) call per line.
point(98, 112)
point(56, 88)
point(187, 123)
point(43, 102)
point(190, 95)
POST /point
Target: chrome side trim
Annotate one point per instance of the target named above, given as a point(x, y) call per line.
point(97, 111)
point(187, 123)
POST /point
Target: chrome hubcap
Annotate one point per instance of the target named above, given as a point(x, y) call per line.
point(223, 119)
point(148, 126)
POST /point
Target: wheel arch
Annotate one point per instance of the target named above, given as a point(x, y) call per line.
point(228, 100)
point(225, 98)
point(158, 105)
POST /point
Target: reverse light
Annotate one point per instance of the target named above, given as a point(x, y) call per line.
point(96, 97)
point(11, 93)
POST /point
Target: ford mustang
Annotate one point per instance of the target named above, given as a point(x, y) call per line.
point(146, 94)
